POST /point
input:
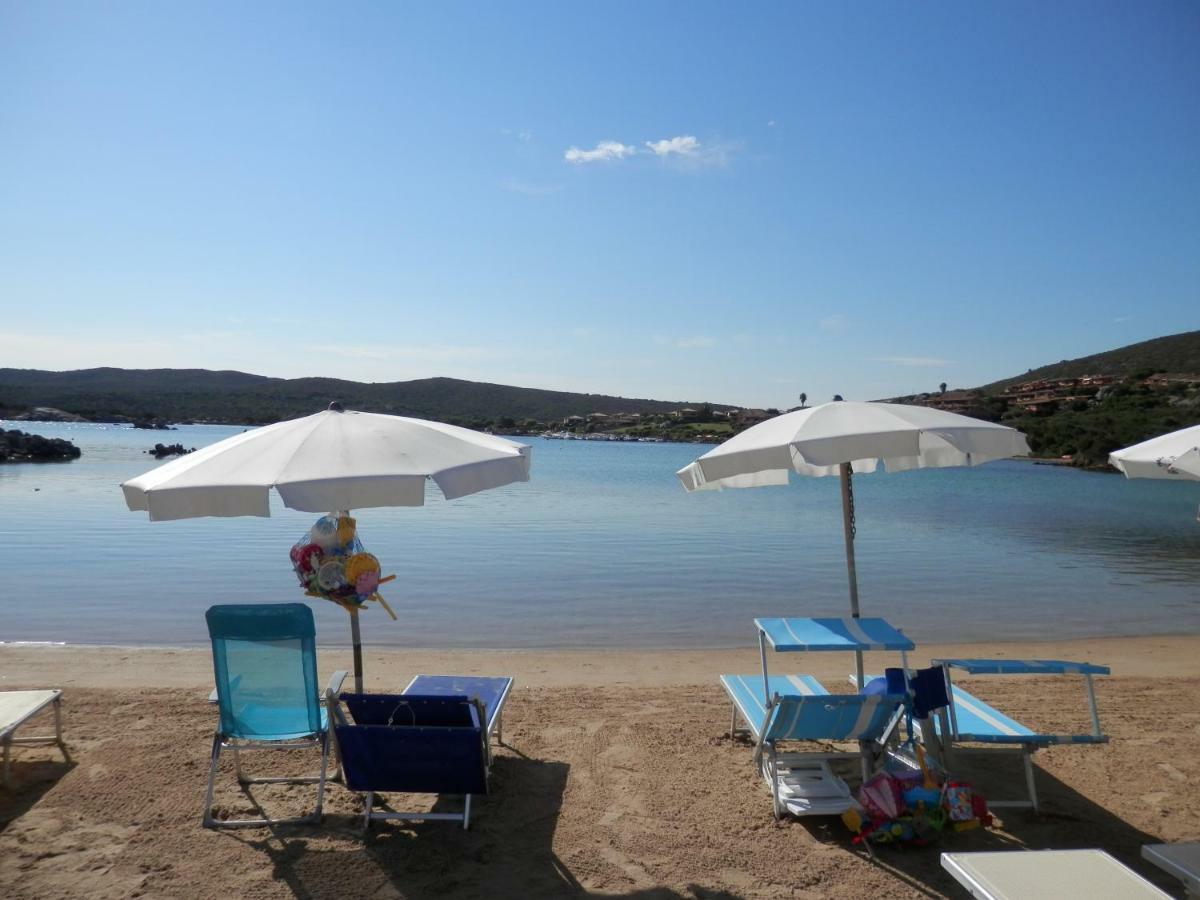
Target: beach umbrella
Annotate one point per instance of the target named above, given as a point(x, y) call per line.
point(843, 438)
point(1175, 455)
point(335, 460)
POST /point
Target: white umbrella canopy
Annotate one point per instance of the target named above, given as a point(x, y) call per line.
point(818, 440)
point(328, 461)
point(334, 460)
point(1175, 456)
point(844, 437)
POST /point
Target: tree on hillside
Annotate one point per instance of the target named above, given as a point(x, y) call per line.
point(803, 399)
point(942, 388)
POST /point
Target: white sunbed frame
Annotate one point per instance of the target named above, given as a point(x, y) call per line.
point(38, 701)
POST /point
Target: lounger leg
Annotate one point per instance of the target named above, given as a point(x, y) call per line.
point(368, 801)
point(732, 720)
point(7, 753)
point(58, 738)
point(1033, 800)
point(237, 766)
point(772, 763)
point(467, 814)
point(321, 782)
point(212, 777)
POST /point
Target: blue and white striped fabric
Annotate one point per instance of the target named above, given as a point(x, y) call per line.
point(746, 692)
point(806, 711)
point(832, 634)
point(984, 724)
point(832, 717)
point(1023, 666)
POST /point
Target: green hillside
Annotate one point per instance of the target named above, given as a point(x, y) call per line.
point(236, 397)
point(1173, 353)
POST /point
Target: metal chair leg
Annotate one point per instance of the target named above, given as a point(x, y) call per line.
point(1029, 783)
point(208, 820)
point(467, 814)
point(367, 803)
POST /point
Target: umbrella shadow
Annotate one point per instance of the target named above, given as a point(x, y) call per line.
point(508, 851)
point(1067, 820)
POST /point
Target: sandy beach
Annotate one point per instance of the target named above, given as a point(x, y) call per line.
point(616, 779)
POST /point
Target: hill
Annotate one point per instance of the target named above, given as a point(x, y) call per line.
point(1085, 408)
point(1173, 353)
point(237, 397)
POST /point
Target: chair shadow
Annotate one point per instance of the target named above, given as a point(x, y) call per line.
point(1067, 820)
point(32, 779)
point(508, 851)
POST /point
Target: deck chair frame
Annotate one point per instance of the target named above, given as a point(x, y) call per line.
point(318, 740)
point(949, 742)
point(8, 736)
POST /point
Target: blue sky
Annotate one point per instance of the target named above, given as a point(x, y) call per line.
point(684, 201)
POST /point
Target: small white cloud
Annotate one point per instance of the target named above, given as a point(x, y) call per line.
point(917, 362)
point(521, 135)
point(684, 145)
point(771, 123)
point(605, 151)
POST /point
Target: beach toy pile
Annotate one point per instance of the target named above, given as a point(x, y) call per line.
point(914, 807)
point(331, 564)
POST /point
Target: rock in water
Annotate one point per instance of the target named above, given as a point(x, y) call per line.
point(18, 446)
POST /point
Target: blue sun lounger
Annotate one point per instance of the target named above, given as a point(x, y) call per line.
point(490, 690)
point(798, 708)
point(969, 720)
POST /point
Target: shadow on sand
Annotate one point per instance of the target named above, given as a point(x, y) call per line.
point(508, 852)
point(31, 779)
point(1067, 820)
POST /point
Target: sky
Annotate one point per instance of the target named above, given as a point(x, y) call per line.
point(684, 201)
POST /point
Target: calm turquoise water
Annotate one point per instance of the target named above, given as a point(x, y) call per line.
point(604, 548)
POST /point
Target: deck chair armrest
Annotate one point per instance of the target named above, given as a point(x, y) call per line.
point(335, 683)
point(233, 683)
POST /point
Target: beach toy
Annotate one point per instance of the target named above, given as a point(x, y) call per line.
point(880, 795)
point(345, 531)
point(366, 584)
point(958, 802)
point(360, 564)
point(306, 558)
point(330, 576)
point(324, 532)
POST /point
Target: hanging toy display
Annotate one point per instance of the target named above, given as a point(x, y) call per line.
point(330, 562)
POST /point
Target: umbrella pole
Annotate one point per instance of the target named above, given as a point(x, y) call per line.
point(356, 639)
point(847, 474)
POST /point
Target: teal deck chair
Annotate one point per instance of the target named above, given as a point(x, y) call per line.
point(265, 664)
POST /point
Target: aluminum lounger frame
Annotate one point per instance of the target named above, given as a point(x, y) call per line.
point(996, 728)
point(319, 739)
point(37, 701)
point(1020, 874)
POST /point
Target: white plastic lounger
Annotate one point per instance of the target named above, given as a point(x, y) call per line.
point(970, 720)
point(1048, 875)
point(17, 708)
point(1180, 860)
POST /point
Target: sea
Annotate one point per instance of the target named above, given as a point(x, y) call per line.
point(603, 548)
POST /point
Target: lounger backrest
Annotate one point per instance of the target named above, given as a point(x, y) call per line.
point(421, 744)
point(265, 666)
point(834, 717)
